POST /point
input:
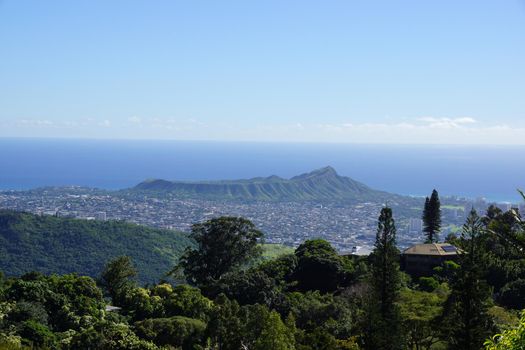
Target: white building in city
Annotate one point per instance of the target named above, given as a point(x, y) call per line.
point(415, 226)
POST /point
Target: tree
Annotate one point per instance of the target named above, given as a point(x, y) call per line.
point(512, 295)
point(271, 331)
point(511, 339)
point(117, 278)
point(252, 286)
point(319, 267)
point(39, 334)
point(329, 313)
point(275, 335)
point(178, 331)
point(225, 327)
point(420, 311)
point(467, 307)
point(432, 217)
point(384, 331)
point(223, 244)
point(512, 232)
point(109, 336)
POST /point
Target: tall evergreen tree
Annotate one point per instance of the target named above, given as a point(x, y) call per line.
point(384, 329)
point(432, 217)
point(467, 307)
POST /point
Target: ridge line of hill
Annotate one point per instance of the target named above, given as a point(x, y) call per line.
point(321, 184)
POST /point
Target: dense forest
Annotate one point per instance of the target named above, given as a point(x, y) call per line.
point(50, 244)
point(222, 296)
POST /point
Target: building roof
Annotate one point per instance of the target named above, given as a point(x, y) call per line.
point(111, 308)
point(436, 249)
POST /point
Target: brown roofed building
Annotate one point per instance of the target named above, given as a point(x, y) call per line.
point(420, 259)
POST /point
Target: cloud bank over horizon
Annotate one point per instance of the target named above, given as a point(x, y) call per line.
point(420, 130)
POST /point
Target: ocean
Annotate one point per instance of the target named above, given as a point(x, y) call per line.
point(493, 172)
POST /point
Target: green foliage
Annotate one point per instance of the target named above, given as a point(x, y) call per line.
point(512, 339)
point(117, 278)
point(225, 326)
point(186, 301)
point(512, 295)
point(163, 300)
point(513, 235)
point(233, 327)
point(39, 334)
point(177, 331)
point(223, 245)
point(321, 184)
point(383, 324)
point(139, 304)
point(251, 286)
point(274, 251)
point(60, 302)
point(467, 318)
point(428, 284)
point(319, 267)
point(420, 312)
point(265, 330)
point(59, 245)
point(275, 335)
point(446, 271)
point(505, 261)
point(280, 269)
point(332, 314)
point(432, 217)
point(503, 318)
point(309, 300)
point(109, 336)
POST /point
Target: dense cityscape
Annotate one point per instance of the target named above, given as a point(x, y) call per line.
point(350, 227)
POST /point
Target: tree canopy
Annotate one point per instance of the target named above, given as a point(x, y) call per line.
point(222, 245)
point(432, 217)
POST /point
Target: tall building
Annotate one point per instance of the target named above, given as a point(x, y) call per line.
point(101, 215)
point(415, 226)
point(479, 205)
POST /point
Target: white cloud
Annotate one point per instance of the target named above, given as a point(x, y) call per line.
point(425, 130)
point(135, 120)
point(34, 122)
point(105, 123)
point(447, 123)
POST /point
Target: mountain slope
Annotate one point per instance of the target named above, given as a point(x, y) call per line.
point(58, 245)
point(321, 184)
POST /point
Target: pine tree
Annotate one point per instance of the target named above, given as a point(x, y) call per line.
point(383, 316)
point(470, 324)
point(432, 217)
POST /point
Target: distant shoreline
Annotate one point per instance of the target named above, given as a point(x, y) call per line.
point(466, 171)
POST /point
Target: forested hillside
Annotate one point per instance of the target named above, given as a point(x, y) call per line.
point(59, 245)
point(226, 298)
point(311, 299)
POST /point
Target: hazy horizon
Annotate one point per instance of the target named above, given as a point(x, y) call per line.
point(403, 169)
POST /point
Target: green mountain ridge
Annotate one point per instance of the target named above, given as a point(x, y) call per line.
point(320, 184)
point(50, 244)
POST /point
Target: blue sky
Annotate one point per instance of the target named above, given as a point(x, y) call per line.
point(323, 71)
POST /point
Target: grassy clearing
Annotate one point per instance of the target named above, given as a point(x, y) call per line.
point(272, 251)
